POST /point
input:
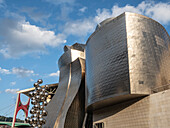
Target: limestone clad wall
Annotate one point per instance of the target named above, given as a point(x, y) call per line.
point(149, 112)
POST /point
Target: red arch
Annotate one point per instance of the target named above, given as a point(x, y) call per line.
point(20, 106)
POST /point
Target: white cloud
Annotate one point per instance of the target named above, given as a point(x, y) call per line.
point(83, 9)
point(102, 14)
point(85, 26)
point(158, 11)
point(64, 14)
point(31, 80)
point(1, 3)
point(22, 72)
point(4, 71)
point(55, 74)
point(0, 78)
point(79, 27)
point(13, 83)
point(12, 91)
point(35, 14)
point(22, 38)
point(59, 2)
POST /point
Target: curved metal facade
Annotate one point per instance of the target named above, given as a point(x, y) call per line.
point(67, 107)
point(148, 53)
point(126, 57)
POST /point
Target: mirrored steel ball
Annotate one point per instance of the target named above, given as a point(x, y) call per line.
point(30, 121)
point(40, 116)
point(35, 93)
point(41, 93)
point(27, 119)
point(39, 126)
point(43, 99)
point(35, 120)
point(31, 94)
point(45, 103)
point(36, 84)
point(33, 124)
point(32, 111)
point(38, 89)
point(43, 89)
point(33, 102)
point(32, 98)
point(46, 87)
point(34, 115)
point(41, 107)
point(42, 121)
point(46, 94)
point(40, 81)
point(44, 113)
point(37, 112)
point(37, 106)
point(37, 97)
point(33, 108)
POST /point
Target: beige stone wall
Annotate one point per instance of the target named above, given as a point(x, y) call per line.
point(149, 112)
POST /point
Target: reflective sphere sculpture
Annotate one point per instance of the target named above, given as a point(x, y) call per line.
point(40, 81)
point(38, 99)
point(40, 116)
point(42, 120)
point(34, 93)
point(37, 112)
point(35, 120)
point(32, 98)
point(33, 124)
point(45, 103)
point(27, 119)
point(43, 89)
point(46, 87)
point(36, 84)
point(38, 89)
point(41, 93)
point(30, 121)
point(41, 107)
point(32, 111)
point(37, 106)
point(35, 115)
point(43, 98)
point(30, 94)
point(39, 126)
point(33, 102)
point(44, 112)
point(46, 94)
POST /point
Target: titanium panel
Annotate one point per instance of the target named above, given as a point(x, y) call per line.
point(69, 98)
point(148, 53)
point(107, 73)
point(126, 57)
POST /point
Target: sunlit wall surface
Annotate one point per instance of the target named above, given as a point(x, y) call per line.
point(126, 55)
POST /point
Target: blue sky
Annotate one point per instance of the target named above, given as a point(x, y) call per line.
point(34, 32)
